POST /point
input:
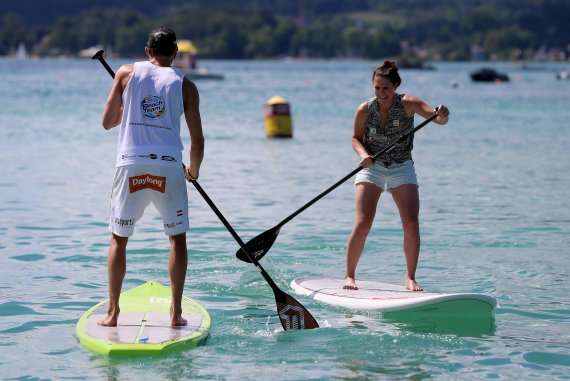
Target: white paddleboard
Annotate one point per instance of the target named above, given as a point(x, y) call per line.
point(385, 297)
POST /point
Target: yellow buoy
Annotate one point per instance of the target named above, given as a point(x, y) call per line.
point(278, 122)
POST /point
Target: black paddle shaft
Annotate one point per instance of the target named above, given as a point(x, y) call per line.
point(263, 242)
point(235, 235)
point(355, 171)
point(292, 314)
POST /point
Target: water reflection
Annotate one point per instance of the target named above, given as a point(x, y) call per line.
point(459, 325)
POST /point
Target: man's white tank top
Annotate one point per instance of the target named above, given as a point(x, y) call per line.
point(150, 128)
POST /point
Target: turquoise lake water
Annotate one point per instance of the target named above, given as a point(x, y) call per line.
point(495, 219)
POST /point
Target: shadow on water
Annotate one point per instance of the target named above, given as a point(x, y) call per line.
point(466, 318)
point(459, 325)
point(460, 318)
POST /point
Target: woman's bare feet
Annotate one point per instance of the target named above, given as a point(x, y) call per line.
point(412, 285)
point(349, 284)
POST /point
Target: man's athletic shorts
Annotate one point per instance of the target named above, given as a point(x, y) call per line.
point(136, 186)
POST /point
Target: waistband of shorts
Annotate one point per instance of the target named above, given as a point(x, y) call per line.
point(392, 163)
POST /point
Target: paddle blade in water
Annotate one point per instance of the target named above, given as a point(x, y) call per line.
point(259, 245)
point(293, 315)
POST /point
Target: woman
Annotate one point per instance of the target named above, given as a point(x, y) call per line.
point(377, 122)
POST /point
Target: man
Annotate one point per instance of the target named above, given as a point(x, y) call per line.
point(147, 100)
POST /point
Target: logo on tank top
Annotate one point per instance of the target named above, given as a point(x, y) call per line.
point(153, 107)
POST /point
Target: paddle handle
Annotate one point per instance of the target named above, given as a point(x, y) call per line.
point(355, 171)
point(99, 56)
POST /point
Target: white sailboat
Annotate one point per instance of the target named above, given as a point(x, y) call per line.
point(21, 53)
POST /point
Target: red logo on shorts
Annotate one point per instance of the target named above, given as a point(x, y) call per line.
point(156, 183)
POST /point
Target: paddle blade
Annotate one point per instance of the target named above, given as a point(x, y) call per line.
point(293, 315)
point(259, 246)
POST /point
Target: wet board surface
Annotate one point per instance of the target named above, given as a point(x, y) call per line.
point(385, 297)
point(143, 326)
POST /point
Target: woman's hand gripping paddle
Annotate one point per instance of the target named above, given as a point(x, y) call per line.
point(291, 313)
point(261, 244)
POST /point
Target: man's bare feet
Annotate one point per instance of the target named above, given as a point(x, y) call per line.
point(349, 284)
point(176, 319)
point(412, 285)
point(109, 321)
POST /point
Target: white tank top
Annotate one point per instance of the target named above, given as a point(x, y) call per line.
point(150, 128)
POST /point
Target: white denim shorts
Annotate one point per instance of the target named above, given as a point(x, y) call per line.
point(136, 186)
point(388, 177)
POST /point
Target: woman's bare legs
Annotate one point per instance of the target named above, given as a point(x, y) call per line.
point(408, 202)
point(367, 196)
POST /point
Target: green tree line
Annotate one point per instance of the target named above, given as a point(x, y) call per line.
point(431, 30)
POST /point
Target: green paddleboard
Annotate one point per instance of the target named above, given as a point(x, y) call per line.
point(144, 327)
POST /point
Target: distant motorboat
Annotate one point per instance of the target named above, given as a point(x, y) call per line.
point(562, 75)
point(202, 74)
point(488, 75)
point(418, 65)
point(187, 61)
point(409, 61)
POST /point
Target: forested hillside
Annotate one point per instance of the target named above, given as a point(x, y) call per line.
point(419, 29)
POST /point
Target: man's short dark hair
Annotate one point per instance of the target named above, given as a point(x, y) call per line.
point(162, 41)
